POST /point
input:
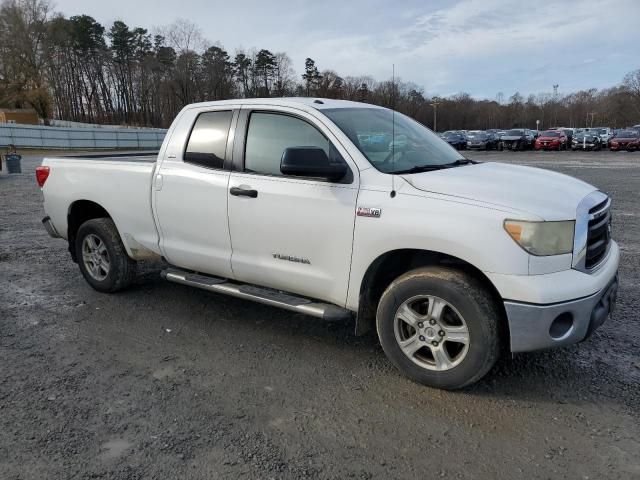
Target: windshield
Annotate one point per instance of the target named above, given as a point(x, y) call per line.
point(602, 131)
point(514, 133)
point(392, 143)
point(550, 134)
point(627, 134)
point(478, 136)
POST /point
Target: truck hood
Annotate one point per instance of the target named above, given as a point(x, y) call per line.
point(542, 193)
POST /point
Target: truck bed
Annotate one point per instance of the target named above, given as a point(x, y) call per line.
point(135, 156)
point(119, 182)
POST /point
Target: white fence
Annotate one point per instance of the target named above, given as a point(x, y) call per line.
point(39, 136)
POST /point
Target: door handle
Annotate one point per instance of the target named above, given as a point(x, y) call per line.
point(242, 192)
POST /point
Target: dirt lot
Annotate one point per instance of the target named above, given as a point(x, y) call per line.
point(163, 381)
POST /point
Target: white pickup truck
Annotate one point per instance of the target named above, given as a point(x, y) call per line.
point(339, 210)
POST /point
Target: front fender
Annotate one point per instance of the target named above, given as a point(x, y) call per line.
point(462, 229)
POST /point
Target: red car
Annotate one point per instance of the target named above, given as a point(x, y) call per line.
point(551, 140)
point(625, 140)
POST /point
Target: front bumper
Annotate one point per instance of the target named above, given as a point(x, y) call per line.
point(585, 146)
point(533, 303)
point(535, 327)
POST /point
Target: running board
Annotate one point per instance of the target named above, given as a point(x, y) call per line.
point(266, 296)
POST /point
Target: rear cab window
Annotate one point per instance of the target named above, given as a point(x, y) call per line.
point(207, 142)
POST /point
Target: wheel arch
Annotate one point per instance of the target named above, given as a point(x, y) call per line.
point(79, 212)
point(390, 265)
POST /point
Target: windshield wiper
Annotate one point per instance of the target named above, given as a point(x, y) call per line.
point(421, 168)
point(429, 168)
point(462, 161)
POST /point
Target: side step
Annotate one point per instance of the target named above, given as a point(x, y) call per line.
point(267, 296)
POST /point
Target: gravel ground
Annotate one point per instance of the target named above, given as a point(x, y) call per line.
point(164, 381)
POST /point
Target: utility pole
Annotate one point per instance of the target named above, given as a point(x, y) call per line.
point(590, 114)
point(435, 104)
point(555, 104)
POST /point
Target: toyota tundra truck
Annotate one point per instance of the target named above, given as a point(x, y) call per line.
point(285, 202)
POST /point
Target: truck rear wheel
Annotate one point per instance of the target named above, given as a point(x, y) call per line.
point(102, 258)
point(439, 327)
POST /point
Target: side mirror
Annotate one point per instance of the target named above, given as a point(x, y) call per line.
point(311, 162)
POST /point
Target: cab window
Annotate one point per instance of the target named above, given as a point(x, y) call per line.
point(269, 134)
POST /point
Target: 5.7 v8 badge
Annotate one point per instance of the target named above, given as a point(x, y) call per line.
point(369, 212)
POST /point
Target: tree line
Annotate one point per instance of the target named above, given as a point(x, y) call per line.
point(78, 69)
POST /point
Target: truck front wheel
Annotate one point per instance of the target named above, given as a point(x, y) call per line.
point(439, 327)
point(102, 258)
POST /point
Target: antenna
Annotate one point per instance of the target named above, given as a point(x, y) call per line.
point(393, 128)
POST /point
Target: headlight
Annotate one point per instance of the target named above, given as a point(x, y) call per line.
point(542, 238)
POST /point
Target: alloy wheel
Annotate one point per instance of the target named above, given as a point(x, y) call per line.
point(431, 333)
point(95, 257)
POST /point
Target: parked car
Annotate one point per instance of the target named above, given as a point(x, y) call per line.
point(374, 141)
point(569, 132)
point(634, 146)
point(551, 140)
point(457, 140)
point(605, 134)
point(517, 139)
point(277, 201)
point(482, 141)
point(587, 140)
point(625, 140)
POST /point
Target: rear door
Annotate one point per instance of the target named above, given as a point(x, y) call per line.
point(190, 191)
point(291, 233)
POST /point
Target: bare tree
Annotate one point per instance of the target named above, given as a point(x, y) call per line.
point(631, 83)
point(23, 26)
point(184, 36)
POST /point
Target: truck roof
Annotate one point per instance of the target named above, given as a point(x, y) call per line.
point(309, 102)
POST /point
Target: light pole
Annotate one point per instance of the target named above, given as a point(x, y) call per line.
point(435, 104)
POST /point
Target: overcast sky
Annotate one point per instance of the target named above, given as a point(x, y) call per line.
point(477, 46)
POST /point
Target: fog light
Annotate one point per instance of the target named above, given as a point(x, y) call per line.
point(561, 326)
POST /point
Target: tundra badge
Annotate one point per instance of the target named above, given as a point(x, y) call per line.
point(290, 258)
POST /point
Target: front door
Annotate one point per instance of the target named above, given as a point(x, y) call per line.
point(289, 233)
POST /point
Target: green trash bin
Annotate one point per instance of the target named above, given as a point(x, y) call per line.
point(13, 162)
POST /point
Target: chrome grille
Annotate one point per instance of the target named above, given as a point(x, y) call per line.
point(593, 232)
point(599, 234)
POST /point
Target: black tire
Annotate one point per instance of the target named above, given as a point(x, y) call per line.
point(122, 268)
point(473, 302)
